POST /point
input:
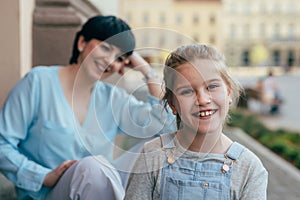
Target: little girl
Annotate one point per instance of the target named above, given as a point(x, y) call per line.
point(198, 161)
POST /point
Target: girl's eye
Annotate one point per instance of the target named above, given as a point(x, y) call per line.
point(212, 86)
point(187, 91)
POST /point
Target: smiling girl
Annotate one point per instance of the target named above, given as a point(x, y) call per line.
point(198, 161)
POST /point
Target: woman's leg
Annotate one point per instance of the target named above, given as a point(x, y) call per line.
point(92, 177)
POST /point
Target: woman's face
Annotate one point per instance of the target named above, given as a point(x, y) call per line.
point(202, 97)
point(100, 59)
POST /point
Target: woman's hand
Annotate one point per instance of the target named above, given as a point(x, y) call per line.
point(53, 176)
point(137, 62)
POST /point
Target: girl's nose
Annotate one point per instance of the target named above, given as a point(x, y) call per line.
point(203, 98)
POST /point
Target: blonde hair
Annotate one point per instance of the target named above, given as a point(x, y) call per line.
point(189, 53)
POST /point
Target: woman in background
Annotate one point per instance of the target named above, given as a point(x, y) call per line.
point(58, 124)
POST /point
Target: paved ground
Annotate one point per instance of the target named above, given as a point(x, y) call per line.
point(7, 191)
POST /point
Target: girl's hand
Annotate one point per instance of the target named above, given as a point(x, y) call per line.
point(53, 176)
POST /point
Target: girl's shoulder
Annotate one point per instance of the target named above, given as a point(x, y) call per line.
point(153, 145)
point(249, 161)
point(156, 144)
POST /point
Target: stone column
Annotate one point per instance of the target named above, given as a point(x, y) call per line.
point(55, 23)
point(15, 40)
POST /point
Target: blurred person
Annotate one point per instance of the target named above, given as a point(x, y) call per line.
point(58, 124)
point(270, 93)
point(197, 161)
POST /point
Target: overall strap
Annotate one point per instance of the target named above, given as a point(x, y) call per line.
point(235, 151)
point(167, 140)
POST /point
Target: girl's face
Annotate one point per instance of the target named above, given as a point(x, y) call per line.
point(201, 97)
point(100, 59)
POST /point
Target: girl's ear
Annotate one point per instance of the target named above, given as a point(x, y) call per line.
point(229, 92)
point(229, 95)
point(172, 101)
point(81, 43)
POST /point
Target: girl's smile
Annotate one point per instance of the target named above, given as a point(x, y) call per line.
point(205, 114)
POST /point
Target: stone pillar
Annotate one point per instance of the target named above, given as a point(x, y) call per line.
point(15, 40)
point(55, 23)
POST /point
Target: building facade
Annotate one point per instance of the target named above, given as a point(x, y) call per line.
point(262, 32)
point(249, 32)
point(167, 24)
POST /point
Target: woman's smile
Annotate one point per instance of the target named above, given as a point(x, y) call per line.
point(101, 67)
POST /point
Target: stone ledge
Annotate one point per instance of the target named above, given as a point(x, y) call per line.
point(7, 189)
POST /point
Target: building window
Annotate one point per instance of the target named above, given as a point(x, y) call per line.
point(246, 31)
point(212, 40)
point(245, 59)
point(145, 40)
point(276, 8)
point(162, 18)
point(262, 30)
point(178, 19)
point(276, 57)
point(232, 31)
point(146, 18)
point(162, 40)
point(291, 8)
point(262, 9)
point(128, 17)
point(232, 8)
point(179, 40)
point(276, 31)
point(247, 8)
point(290, 58)
point(212, 19)
point(291, 31)
point(196, 19)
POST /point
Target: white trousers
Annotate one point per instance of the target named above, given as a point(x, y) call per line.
point(92, 178)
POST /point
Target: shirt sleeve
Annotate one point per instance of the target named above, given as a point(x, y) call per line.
point(16, 116)
point(140, 184)
point(255, 186)
point(143, 119)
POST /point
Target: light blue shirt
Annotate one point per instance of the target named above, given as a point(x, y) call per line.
point(38, 128)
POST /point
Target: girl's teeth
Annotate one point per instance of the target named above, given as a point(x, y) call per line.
point(206, 113)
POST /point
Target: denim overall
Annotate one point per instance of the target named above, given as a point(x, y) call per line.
point(188, 179)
